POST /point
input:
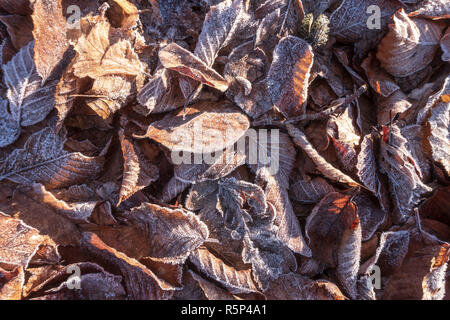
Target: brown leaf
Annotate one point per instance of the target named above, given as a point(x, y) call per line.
point(296, 287)
point(140, 282)
point(299, 138)
point(78, 212)
point(334, 232)
point(123, 14)
point(288, 77)
point(67, 86)
point(18, 241)
point(19, 29)
point(11, 283)
point(161, 93)
point(30, 100)
point(436, 206)
point(186, 63)
point(236, 281)
point(379, 79)
point(434, 9)
point(207, 127)
point(445, 46)
point(43, 160)
point(409, 46)
point(138, 171)
point(49, 34)
point(99, 56)
point(422, 274)
point(404, 175)
point(170, 234)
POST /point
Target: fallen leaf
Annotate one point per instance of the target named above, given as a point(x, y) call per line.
point(409, 46)
point(186, 63)
point(288, 77)
point(43, 160)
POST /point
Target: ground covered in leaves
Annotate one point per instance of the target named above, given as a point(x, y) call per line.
point(350, 101)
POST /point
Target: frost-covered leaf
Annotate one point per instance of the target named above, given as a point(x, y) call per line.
point(207, 127)
point(434, 9)
point(49, 34)
point(30, 101)
point(273, 152)
point(9, 125)
point(161, 93)
point(171, 234)
point(236, 281)
point(172, 189)
point(99, 56)
point(140, 282)
point(379, 79)
point(183, 61)
point(334, 232)
point(440, 134)
point(211, 291)
point(299, 138)
point(211, 167)
point(138, 171)
point(422, 275)
point(294, 286)
point(288, 228)
point(445, 46)
point(44, 160)
point(18, 241)
point(309, 190)
point(404, 174)
point(78, 212)
point(288, 77)
point(246, 71)
point(349, 21)
point(345, 138)
point(110, 92)
point(253, 226)
point(367, 165)
point(409, 46)
point(220, 26)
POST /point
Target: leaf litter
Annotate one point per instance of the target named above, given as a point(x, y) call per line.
point(226, 149)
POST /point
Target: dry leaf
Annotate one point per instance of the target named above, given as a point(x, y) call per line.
point(30, 101)
point(18, 241)
point(171, 235)
point(334, 232)
point(138, 171)
point(434, 9)
point(43, 160)
point(181, 60)
point(140, 283)
point(207, 127)
point(99, 56)
point(288, 77)
point(236, 281)
point(50, 36)
point(445, 46)
point(409, 46)
point(328, 170)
